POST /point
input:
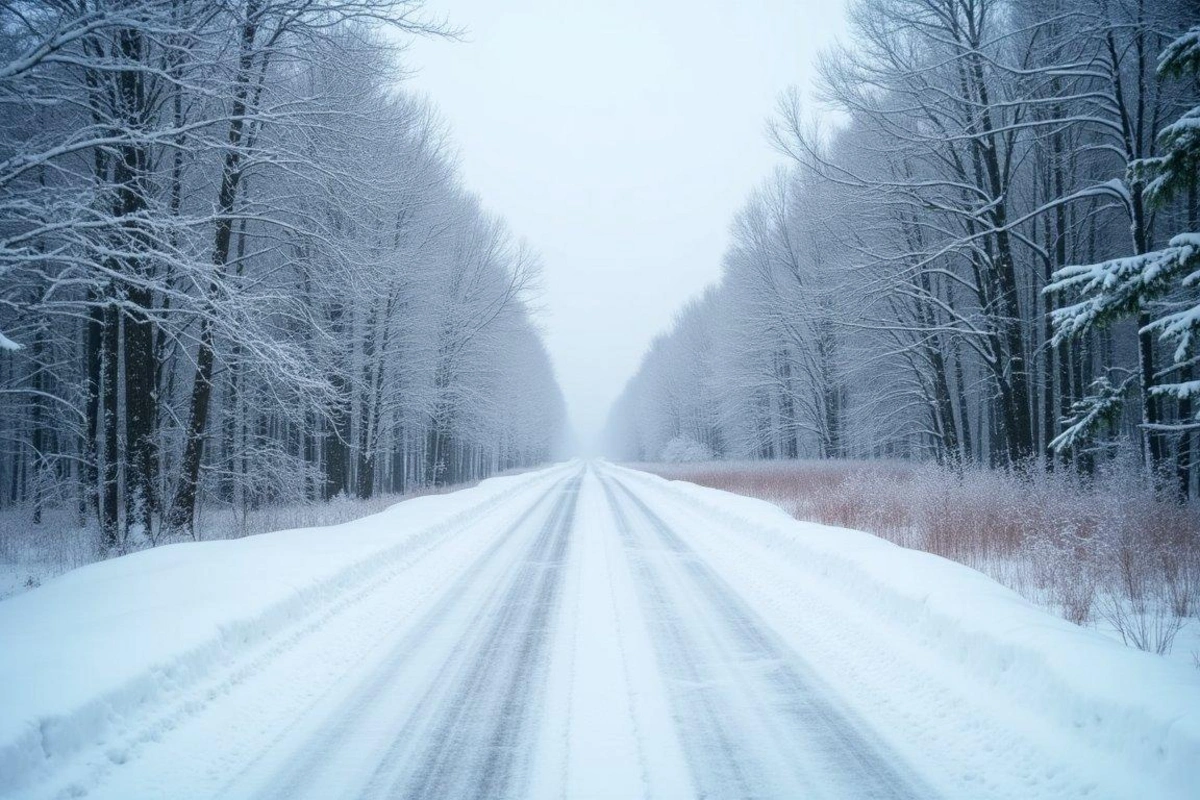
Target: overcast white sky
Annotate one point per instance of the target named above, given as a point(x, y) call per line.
point(618, 137)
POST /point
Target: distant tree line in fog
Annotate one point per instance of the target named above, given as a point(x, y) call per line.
point(990, 257)
point(237, 267)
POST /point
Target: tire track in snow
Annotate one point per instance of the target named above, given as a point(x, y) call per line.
point(110, 768)
point(754, 721)
point(298, 774)
point(617, 739)
point(485, 706)
point(717, 769)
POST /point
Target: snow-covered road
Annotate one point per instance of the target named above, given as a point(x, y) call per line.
point(594, 632)
point(752, 718)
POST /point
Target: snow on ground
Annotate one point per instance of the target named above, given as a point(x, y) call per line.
point(585, 631)
point(951, 662)
point(100, 645)
point(31, 554)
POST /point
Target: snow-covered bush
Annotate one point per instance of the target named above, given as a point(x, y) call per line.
point(684, 450)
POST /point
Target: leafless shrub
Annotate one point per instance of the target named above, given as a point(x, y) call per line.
point(1149, 626)
point(1064, 570)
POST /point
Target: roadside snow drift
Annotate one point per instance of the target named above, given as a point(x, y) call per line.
point(1065, 686)
point(88, 650)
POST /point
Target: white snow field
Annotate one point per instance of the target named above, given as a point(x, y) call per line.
point(583, 631)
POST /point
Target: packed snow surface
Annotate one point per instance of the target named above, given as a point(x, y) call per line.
point(584, 631)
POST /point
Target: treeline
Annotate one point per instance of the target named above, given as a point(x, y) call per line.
point(985, 259)
point(237, 266)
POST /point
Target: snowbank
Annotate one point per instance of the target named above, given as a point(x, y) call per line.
point(89, 650)
point(1139, 709)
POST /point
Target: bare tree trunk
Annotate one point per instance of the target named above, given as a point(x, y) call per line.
point(183, 506)
point(107, 421)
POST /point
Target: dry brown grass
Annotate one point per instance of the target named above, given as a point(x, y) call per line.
point(1107, 549)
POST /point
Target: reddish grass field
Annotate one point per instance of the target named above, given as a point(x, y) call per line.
point(1108, 550)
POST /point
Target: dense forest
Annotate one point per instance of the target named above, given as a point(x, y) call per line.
point(237, 267)
point(983, 258)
